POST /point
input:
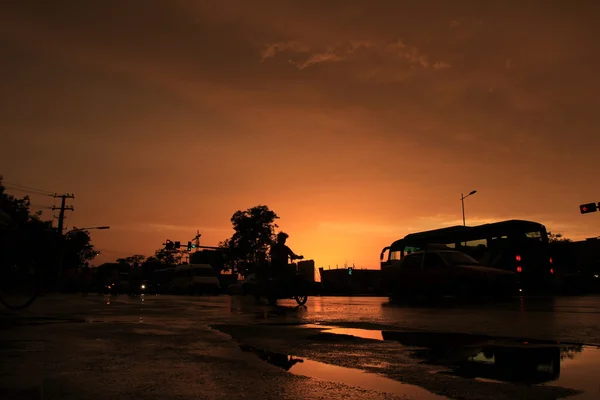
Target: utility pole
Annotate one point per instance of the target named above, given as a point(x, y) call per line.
point(197, 239)
point(61, 238)
point(63, 207)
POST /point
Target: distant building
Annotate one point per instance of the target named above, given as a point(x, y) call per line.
point(341, 281)
point(574, 257)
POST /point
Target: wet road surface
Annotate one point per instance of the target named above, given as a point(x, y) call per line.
point(164, 347)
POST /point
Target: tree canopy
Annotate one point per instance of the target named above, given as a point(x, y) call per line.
point(254, 231)
point(133, 261)
point(35, 240)
point(557, 238)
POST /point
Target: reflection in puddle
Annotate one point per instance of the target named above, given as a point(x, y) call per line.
point(347, 376)
point(280, 360)
point(496, 359)
point(361, 333)
point(499, 360)
point(582, 372)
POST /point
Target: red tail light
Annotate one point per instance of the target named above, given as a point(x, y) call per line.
point(519, 269)
point(551, 260)
point(552, 271)
point(518, 258)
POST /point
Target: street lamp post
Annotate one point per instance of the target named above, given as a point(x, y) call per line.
point(462, 200)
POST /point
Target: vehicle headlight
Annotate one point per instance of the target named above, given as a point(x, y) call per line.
point(143, 286)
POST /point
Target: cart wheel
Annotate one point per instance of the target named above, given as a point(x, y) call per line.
point(301, 300)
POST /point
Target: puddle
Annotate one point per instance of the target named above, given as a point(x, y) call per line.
point(347, 376)
point(581, 372)
point(360, 333)
point(497, 359)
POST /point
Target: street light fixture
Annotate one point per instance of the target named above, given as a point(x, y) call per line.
point(462, 200)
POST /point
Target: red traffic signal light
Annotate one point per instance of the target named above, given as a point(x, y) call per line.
point(588, 208)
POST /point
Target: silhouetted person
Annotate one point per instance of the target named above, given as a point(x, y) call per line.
point(280, 253)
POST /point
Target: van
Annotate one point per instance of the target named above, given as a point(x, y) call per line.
point(195, 279)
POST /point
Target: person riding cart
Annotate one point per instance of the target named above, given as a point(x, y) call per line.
point(280, 253)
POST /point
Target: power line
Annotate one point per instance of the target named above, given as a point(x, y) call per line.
point(17, 186)
point(30, 191)
point(27, 191)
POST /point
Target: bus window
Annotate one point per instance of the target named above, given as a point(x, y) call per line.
point(451, 245)
point(498, 242)
point(475, 248)
point(475, 243)
point(382, 256)
point(534, 235)
point(395, 255)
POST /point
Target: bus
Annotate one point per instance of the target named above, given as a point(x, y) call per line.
point(515, 245)
point(195, 279)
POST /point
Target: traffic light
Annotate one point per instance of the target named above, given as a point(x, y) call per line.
point(350, 270)
point(168, 245)
point(189, 246)
point(588, 208)
point(177, 245)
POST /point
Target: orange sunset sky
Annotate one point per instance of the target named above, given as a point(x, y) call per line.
point(356, 121)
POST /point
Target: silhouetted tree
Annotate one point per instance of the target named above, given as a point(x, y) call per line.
point(19, 209)
point(557, 238)
point(78, 250)
point(170, 257)
point(132, 261)
point(254, 231)
point(35, 240)
point(152, 260)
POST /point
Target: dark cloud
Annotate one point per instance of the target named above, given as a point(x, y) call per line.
point(425, 95)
